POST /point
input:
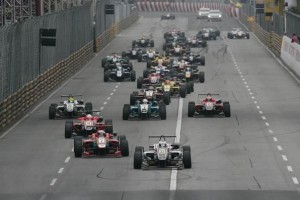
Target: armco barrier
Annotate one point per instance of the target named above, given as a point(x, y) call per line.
point(16, 104)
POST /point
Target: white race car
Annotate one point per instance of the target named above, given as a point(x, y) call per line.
point(237, 33)
point(162, 155)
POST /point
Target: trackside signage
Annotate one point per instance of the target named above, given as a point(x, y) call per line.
point(290, 54)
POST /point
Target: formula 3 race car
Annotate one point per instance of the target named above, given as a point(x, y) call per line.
point(162, 155)
point(101, 144)
point(237, 33)
point(209, 106)
point(143, 42)
point(87, 125)
point(151, 94)
point(145, 110)
point(118, 72)
point(70, 107)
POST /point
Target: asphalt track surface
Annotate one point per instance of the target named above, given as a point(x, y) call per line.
point(252, 155)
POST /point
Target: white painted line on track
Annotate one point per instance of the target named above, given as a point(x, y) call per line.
point(279, 148)
point(108, 98)
point(267, 124)
point(101, 108)
point(247, 86)
point(250, 93)
point(173, 182)
point(255, 102)
point(116, 86)
point(243, 79)
point(105, 103)
point(275, 139)
point(60, 170)
point(67, 159)
point(271, 131)
point(245, 83)
point(249, 89)
point(289, 168)
point(173, 179)
point(263, 117)
point(295, 180)
point(252, 97)
point(73, 149)
point(258, 107)
point(284, 157)
point(119, 83)
point(114, 90)
point(43, 197)
point(53, 182)
point(111, 94)
point(260, 112)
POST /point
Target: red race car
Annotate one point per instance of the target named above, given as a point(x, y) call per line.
point(209, 106)
point(87, 125)
point(101, 143)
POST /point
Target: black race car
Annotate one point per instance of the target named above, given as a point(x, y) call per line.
point(142, 42)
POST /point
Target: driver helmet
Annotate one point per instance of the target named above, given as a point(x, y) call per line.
point(167, 81)
point(89, 116)
point(145, 101)
point(208, 96)
point(118, 64)
point(151, 87)
point(101, 133)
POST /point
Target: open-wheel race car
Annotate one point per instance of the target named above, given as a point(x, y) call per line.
point(87, 125)
point(152, 94)
point(133, 53)
point(162, 155)
point(237, 33)
point(114, 58)
point(177, 88)
point(69, 107)
point(148, 55)
point(188, 72)
point(143, 42)
point(193, 58)
point(101, 144)
point(196, 42)
point(173, 33)
point(209, 106)
point(178, 50)
point(145, 110)
point(119, 72)
point(168, 16)
point(209, 33)
point(153, 79)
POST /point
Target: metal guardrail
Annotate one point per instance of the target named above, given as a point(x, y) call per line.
point(15, 105)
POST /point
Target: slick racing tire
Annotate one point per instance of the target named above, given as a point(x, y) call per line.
point(106, 76)
point(104, 60)
point(121, 137)
point(124, 147)
point(145, 73)
point(187, 159)
point(152, 43)
point(123, 54)
point(149, 63)
point(201, 77)
point(202, 60)
point(132, 99)
point(191, 109)
point(140, 58)
point(167, 98)
point(226, 107)
point(78, 147)
point(182, 91)
point(137, 160)
point(68, 129)
point(126, 111)
point(189, 87)
point(52, 112)
point(109, 124)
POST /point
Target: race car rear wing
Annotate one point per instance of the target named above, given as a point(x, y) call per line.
point(163, 137)
point(73, 95)
point(209, 93)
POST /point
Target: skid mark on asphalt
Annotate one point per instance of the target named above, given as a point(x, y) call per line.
point(264, 119)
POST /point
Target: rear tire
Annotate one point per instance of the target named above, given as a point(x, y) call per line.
point(88, 107)
point(201, 77)
point(139, 148)
point(186, 148)
point(126, 111)
point(68, 129)
point(78, 147)
point(139, 82)
point(137, 160)
point(226, 107)
point(183, 91)
point(124, 147)
point(166, 98)
point(52, 112)
point(191, 109)
point(132, 75)
point(187, 159)
point(132, 99)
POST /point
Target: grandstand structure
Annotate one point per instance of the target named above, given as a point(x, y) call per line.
point(12, 11)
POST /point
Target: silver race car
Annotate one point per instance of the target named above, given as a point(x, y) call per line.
point(162, 155)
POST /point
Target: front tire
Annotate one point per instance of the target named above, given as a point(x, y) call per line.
point(191, 109)
point(124, 147)
point(78, 147)
point(137, 160)
point(68, 129)
point(126, 111)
